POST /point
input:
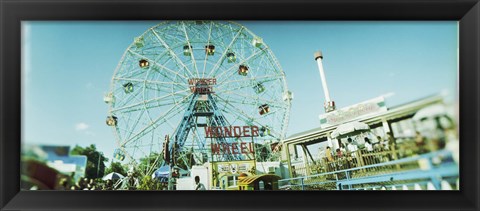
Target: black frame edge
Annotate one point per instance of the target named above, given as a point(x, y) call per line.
point(470, 86)
point(11, 14)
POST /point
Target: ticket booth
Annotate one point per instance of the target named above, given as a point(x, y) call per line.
point(226, 175)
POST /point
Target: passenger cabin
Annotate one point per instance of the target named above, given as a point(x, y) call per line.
point(257, 41)
point(187, 50)
point(259, 88)
point(210, 50)
point(263, 109)
point(264, 131)
point(111, 121)
point(128, 87)
point(231, 57)
point(138, 42)
point(109, 98)
point(118, 154)
point(143, 63)
point(243, 70)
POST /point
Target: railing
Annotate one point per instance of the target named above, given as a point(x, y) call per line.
point(363, 157)
point(434, 169)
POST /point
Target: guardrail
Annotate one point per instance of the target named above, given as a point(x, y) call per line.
point(429, 171)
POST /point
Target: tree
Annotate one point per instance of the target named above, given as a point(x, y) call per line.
point(147, 183)
point(150, 163)
point(116, 167)
point(94, 158)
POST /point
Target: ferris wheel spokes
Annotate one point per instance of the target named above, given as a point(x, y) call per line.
point(161, 66)
point(207, 46)
point(229, 73)
point(217, 65)
point(141, 104)
point(177, 59)
point(190, 46)
point(149, 127)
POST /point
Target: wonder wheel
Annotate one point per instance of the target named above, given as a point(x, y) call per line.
point(182, 78)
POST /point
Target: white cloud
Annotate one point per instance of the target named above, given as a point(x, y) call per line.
point(81, 126)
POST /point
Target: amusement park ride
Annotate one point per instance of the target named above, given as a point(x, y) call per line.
point(186, 93)
point(209, 99)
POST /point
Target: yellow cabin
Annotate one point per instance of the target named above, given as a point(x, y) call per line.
point(259, 182)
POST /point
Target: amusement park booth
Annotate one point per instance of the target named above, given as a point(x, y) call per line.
point(402, 122)
point(259, 182)
point(235, 175)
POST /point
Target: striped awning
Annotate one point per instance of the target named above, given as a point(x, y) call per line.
point(252, 179)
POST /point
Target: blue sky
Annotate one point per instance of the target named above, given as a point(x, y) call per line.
point(67, 68)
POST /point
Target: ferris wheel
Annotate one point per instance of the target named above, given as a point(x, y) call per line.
point(155, 88)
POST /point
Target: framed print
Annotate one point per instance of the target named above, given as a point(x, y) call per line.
point(239, 105)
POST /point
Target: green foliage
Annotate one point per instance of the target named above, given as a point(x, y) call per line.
point(116, 167)
point(186, 161)
point(94, 158)
point(147, 183)
point(149, 164)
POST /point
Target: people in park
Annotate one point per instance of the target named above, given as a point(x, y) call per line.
point(390, 141)
point(420, 142)
point(351, 147)
point(339, 153)
point(343, 149)
point(379, 145)
point(131, 181)
point(198, 184)
point(368, 145)
point(352, 151)
point(328, 154)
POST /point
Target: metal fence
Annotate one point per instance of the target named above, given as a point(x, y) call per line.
point(363, 157)
point(432, 170)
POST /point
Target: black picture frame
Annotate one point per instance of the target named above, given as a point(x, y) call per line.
point(12, 12)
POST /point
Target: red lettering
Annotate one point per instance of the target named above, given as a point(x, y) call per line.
point(237, 133)
point(228, 131)
point(246, 131)
point(243, 147)
point(215, 149)
point(208, 132)
point(234, 148)
point(231, 131)
point(254, 131)
point(251, 147)
point(226, 148)
point(218, 131)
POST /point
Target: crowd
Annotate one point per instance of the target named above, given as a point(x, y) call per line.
point(85, 184)
point(350, 153)
point(43, 180)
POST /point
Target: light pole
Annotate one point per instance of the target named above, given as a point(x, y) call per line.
point(98, 166)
